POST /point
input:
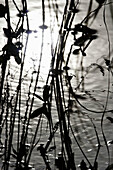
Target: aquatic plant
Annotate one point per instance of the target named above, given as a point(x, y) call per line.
point(61, 99)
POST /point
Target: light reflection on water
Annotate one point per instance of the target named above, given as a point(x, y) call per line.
point(94, 87)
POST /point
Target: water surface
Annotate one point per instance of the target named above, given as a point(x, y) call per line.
point(94, 87)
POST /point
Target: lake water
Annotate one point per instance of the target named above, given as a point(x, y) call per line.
point(96, 84)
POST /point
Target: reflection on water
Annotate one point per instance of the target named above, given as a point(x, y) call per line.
point(88, 79)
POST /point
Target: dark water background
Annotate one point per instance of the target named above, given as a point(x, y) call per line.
point(94, 88)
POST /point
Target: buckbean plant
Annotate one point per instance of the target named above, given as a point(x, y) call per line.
point(54, 106)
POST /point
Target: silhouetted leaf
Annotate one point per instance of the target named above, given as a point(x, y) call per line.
point(95, 165)
point(66, 68)
point(21, 14)
point(46, 92)
point(75, 10)
point(83, 165)
point(68, 77)
point(93, 37)
point(43, 26)
point(78, 96)
point(84, 29)
point(17, 59)
point(4, 57)
point(81, 40)
point(28, 31)
point(107, 62)
point(100, 1)
point(101, 69)
point(83, 53)
point(76, 51)
point(38, 96)
point(110, 118)
point(39, 111)
point(111, 142)
point(73, 32)
point(1, 59)
point(36, 113)
point(19, 45)
point(11, 49)
point(8, 32)
point(3, 11)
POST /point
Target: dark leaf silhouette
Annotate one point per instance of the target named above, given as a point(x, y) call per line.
point(12, 50)
point(41, 146)
point(7, 32)
point(100, 67)
point(111, 142)
point(4, 57)
point(76, 51)
point(81, 40)
point(95, 165)
point(43, 26)
point(19, 45)
point(3, 10)
point(110, 119)
point(83, 53)
point(37, 112)
point(16, 34)
point(23, 151)
point(21, 14)
point(69, 78)
point(17, 59)
point(38, 96)
point(100, 1)
point(78, 96)
point(1, 59)
point(84, 29)
point(66, 68)
point(75, 10)
point(107, 62)
point(83, 165)
point(28, 31)
point(46, 92)
point(93, 37)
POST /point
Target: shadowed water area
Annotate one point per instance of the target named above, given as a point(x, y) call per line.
point(59, 87)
